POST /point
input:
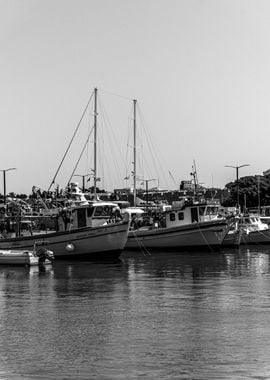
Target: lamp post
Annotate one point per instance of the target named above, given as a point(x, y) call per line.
point(237, 180)
point(83, 179)
point(4, 176)
point(259, 195)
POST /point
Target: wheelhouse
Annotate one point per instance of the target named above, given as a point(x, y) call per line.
point(92, 215)
point(191, 214)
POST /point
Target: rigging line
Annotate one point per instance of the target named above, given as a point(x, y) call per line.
point(115, 147)
point(204, 238)
point(109, 143)
point(158, 163)
point(77, 163)
point(140, 244)
point(74, 134)
point(151, 148)
point(128, 159)
point(172, 177)
point(147, 134)
point(159, 160)
point(112, 140)
point(87, 164)
point(117, 95)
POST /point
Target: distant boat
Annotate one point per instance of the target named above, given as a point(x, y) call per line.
point(186, 225)
point(249, 229)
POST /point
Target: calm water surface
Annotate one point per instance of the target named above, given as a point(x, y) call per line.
point(160, 316)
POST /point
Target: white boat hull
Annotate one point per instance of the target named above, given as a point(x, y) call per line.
point(204, 235)
point(16, 257)
point(93, 242)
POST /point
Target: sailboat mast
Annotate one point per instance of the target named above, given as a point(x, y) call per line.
point(95, 143)
point(134, 151)
point(196, 183)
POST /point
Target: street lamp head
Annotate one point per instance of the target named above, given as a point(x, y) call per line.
point(6, 170)
point(237, 181)
point(243, 165)
point(236, 167)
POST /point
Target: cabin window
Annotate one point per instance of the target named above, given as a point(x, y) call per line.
point(212, 210)
point(90, 211)
point(107, 211)
point(201, 210)
point(172, 216)
point(103, 211)
point(98, 211)
point(81, 215)
point(194, 214)
point(180, 216)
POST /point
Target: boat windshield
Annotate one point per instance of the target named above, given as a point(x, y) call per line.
point(201, 210)
point(211, 210)
point(103, 211)
point(90, 211)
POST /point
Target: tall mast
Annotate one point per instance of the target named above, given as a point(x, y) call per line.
point(95, 144)
point(195, 177)
point(134, 151)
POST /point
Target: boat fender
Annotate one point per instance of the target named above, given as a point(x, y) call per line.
point(70, 247)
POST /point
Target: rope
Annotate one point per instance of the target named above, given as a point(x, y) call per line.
point(74, 134)
point(77, 163)
point(209, 246)
point(143, 249)
point(111, 93)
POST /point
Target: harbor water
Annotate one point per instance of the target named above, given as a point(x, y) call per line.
point(198, 315)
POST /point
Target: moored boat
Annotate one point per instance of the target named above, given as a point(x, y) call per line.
point(90, 230)
point(84, 229)
point(249, 229)
point(40, 256)
point(186, 225)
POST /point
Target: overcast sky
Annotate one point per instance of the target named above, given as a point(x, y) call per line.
point(199, 69)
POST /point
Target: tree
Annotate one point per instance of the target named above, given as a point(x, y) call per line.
point(251, 190)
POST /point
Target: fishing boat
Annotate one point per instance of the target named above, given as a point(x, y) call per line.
point(186, 225)
point(83, 229)
point(89, 230)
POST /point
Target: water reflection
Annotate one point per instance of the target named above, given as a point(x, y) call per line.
point(228, 262)
point(169, 315)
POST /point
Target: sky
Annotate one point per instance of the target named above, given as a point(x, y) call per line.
point(199, 70)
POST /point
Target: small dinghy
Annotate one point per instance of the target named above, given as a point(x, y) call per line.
point(38, 256)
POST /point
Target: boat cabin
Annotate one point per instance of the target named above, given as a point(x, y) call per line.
point(193, 213)
point(91, 215)
point(252, 223)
